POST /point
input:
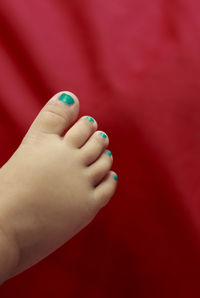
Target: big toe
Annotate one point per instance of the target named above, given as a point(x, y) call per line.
point(58, 114)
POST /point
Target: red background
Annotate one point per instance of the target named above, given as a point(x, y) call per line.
point(135, 66)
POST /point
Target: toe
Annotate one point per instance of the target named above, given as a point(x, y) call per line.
point(94, 147)
point(106, 189)
point(79, 133)
point(58, 114)
point(100, 168)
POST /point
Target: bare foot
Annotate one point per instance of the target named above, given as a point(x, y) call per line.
point(53, 185)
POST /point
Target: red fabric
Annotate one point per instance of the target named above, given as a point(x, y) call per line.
point(135, 66)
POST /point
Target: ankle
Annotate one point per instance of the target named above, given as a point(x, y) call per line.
point(9, 256)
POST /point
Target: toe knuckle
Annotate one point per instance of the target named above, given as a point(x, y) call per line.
point(55, 111)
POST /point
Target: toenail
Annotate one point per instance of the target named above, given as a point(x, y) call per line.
point(90, 119)
point(66, 98)
point(103, 135)
point(115, 177)
point(108, 152)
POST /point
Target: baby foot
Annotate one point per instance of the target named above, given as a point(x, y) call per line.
point(54, 185)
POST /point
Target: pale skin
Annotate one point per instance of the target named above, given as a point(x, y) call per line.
point(53, 185)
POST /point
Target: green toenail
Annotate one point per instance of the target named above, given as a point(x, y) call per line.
point(66, 98)
point(90, 119)
point(103, 135)
point(115, 177)
point(108, 152)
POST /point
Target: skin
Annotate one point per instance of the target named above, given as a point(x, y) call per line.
point(52, 186)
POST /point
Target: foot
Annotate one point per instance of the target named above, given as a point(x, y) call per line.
point(56, 181)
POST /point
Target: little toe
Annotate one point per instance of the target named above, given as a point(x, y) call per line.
point(94, 147)
point(58, 114)
point(79, 133)
point(100, 167)
point(106, 189)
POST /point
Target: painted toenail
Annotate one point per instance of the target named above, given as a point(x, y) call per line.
point(66, 98)
point(108, 152)
point(115, 177)
point(90, 119)
point(103, 135)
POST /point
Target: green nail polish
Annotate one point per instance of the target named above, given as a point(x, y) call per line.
point(115, 177)
point(90, 119)
point(66, 98)
point(108, 152)
point(103, 135)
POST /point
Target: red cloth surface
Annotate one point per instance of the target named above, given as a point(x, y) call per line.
point(135, 66)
